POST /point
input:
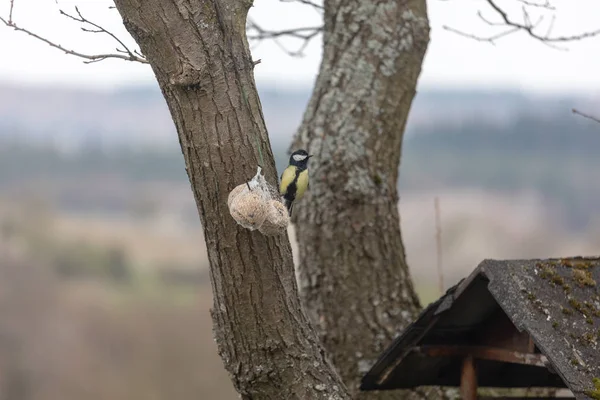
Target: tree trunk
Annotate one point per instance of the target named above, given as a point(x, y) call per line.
point(353, 274)
point(200, 57)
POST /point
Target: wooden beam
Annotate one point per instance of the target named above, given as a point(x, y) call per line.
point(468, 379)
point(525, 398)
point(484, 353)
point(531, 345)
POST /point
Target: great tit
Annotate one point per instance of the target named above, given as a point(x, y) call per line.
point(294, 180)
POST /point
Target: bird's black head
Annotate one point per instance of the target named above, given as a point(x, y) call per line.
point(299, 158)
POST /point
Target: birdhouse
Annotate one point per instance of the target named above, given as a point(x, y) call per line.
point(510, 324)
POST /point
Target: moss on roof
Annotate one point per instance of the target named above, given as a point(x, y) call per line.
point(558, 302)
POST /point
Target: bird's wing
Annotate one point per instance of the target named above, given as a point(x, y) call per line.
point(288, 176)
point(302, 184)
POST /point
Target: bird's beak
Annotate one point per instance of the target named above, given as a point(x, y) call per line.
point(310, 155)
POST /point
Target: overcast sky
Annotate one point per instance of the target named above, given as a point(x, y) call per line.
point(516, 61)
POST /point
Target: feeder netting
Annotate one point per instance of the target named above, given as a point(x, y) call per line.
point(257, 205)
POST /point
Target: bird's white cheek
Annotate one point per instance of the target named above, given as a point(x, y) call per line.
point(299, 157)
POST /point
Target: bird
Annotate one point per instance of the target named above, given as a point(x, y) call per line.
point(294, 179)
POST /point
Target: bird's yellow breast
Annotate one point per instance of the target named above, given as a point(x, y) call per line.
point(287, 177)
point(302, 184)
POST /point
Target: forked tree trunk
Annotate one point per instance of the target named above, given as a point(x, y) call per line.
point(353, 274)
point(199, 54)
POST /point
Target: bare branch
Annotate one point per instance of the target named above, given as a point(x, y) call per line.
point(296, 32)
point(10, 13)
point(528, 25)
point(304, 34)
point(124, 54)
point(588, 116)
point(257, 34)
point(133, 55)
point(530, 28)
point(438, 243)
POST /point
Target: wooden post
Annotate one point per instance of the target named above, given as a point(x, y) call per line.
point(468, 379)
point(530, 345)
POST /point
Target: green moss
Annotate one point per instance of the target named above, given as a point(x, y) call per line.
point(595, 392)
point(548, 272)
point(557, 280)
point(578, 263)
point(577, 305)
point(587, 309)
point(566, 311)
point(583, 278)
point(574, 361)
point(555, 324)
point(589, 338)
point(531, 296)
point(593, 310)
point(566, 262)
point(377, 179)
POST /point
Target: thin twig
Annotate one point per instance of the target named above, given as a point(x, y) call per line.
point(588, 116)
point(438, 242)
point(491, 39)
point(123, 54)
point(10, 13)
point(545, 5)
point(306, 2)
point(304, 34)
point(99, 29)
point(300, 33)
point(527, 26)
point(530, 28)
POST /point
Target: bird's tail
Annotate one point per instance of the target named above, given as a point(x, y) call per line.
point(289, 205)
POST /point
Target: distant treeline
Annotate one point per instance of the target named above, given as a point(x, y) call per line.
point(21, 161)
point(554, 156)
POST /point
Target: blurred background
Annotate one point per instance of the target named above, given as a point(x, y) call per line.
point(104, 287)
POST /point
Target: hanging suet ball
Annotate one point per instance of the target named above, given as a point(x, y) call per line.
point(257, 205)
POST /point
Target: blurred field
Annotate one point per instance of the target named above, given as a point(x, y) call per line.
point(102, 307)
point(86, 333)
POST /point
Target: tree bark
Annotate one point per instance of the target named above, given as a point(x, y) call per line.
point(200, 57)
point(353, 274)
